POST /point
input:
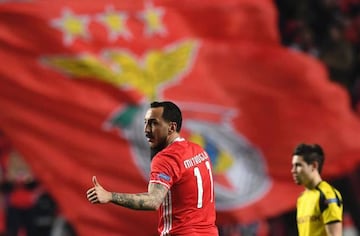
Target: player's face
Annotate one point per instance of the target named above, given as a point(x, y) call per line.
point(156, 128)
point(301, 171)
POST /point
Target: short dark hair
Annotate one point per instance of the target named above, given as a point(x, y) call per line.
point(171, 113)
point(311, 153)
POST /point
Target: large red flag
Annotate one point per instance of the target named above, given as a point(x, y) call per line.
point(76, 79)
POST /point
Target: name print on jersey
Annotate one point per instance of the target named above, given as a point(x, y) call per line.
point(188, 163)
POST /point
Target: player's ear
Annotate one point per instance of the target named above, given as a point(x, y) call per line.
point(172, 127)
point(315, 165)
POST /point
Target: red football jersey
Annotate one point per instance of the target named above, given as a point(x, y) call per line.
point(189, 207)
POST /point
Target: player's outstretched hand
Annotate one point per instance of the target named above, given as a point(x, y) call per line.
point(98, 194)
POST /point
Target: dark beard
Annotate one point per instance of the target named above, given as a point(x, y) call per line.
point(157, 149)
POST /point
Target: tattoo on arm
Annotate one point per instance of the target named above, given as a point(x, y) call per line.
point(142, 201)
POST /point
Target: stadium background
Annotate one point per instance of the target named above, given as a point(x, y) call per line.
point(254, 78)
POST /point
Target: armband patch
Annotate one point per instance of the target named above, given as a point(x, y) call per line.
point(164, 176)
point(331, 200)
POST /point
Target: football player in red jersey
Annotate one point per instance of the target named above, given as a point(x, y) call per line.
point(181, 184)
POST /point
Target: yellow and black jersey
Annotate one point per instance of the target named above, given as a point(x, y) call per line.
point(318, 207)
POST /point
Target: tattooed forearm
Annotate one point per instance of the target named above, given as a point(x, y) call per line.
point(139, 201)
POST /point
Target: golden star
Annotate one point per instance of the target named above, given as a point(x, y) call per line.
point(152, 17)
point(115, 22)
point(72, 26)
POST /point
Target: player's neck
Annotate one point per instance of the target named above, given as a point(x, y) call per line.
point(172, 138)
point(314, 183)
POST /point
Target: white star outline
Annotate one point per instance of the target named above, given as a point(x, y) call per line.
point(72, 26)
point(115, 22)
point(152, 18)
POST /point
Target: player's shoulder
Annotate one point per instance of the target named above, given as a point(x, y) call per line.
point(325, 186)
point(181, 143)
point(174, 149)
point(327, 189)
point(182, 147)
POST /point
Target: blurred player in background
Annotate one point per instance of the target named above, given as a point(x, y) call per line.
point(319, 207)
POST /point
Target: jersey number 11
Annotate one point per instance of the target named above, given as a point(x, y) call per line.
point(200, 184)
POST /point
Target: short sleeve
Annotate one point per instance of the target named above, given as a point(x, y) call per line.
point(165, 170)
point(333, 211)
